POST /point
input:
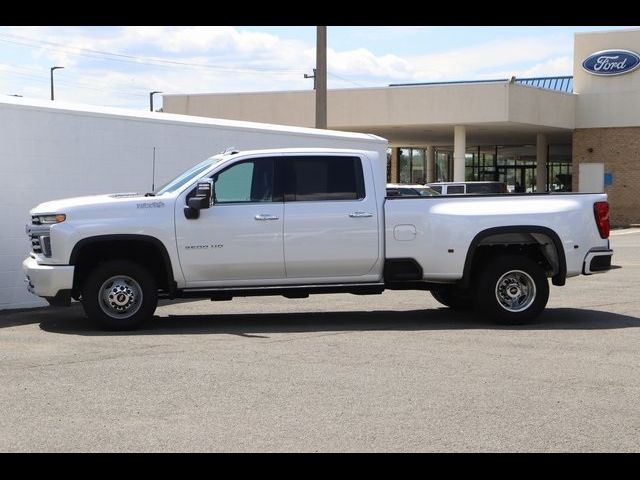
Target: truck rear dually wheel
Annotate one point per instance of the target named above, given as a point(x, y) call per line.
point(453, 297)
point(119, 295)
point(511, 289)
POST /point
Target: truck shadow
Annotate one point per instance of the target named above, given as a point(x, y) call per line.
point(27, 316)
point(259, 325)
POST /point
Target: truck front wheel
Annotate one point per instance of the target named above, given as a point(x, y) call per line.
point(119, 295)
point(511, 289)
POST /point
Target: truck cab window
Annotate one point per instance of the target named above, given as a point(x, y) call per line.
point(323, 178)
point(245, 182)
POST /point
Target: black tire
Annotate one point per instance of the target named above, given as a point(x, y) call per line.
point(453, 298)
point(130, 297)
point(503, 293)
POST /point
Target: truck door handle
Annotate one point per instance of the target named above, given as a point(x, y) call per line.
point(265, 216)
point(360, 214)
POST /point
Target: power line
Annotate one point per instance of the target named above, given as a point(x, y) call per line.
point(139, 60)
point(153, 61)
point(345, 79)
point(66, 82)
point(75, 84)
point(40, 73)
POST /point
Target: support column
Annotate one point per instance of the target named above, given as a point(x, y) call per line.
point(395, 153)
point(459, 149)
point(431, 163)
point(541, 162)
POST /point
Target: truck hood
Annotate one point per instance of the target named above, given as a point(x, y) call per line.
point(65, 204)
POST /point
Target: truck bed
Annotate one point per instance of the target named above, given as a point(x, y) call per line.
point(437, 232)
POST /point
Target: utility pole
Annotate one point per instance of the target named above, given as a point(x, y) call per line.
point(320, 80)
point(52, 69)
point(151, 99)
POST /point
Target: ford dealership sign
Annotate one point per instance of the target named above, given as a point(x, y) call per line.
point(611, 62)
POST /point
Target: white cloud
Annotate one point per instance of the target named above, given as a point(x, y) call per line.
point(478, 61)
point(245, 60)
point(362, 62)
point(555, 66)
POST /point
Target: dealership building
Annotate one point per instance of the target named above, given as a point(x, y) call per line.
point(576, 133)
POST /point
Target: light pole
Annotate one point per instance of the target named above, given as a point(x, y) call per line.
point(52, 69)
point(151, 99)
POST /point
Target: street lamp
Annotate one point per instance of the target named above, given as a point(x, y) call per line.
point(52, 69)
point(151, 99)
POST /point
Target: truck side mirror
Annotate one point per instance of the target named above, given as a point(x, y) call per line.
point(201, 199)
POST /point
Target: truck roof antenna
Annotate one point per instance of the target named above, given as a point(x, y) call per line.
point(230, 151)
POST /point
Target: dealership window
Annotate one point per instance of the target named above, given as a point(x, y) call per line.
point(514, 165)
point(418, 167)
point(411, 166)
point(559, 171)
point(404, 165)
point(480, 163)
point(444, 164)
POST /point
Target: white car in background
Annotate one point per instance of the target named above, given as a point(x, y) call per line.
point(469, 188)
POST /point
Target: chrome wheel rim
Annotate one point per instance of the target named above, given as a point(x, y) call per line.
point(515, 291)
point(120, 297)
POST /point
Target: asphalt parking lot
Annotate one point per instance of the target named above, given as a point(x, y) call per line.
point(393, 372)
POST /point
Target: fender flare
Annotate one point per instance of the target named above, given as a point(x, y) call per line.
point(77, 248)
point(558, 279)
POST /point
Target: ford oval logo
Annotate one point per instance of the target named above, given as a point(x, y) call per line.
point(611, 62)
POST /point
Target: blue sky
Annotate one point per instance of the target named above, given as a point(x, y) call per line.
point(119, 66)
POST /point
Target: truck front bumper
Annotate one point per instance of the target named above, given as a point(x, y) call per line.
point(47, 280)
point(597, 261)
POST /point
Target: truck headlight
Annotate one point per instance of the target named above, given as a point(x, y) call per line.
point(51, 219)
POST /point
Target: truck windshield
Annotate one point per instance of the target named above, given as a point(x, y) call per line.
point(187, 176)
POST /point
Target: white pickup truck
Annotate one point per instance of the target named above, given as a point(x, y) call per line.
point(294, 222)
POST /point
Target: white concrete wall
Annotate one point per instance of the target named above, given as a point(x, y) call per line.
point(606, 101)
point(457, 104)
point(283, 108)
point(49, 152)
point(537, 106)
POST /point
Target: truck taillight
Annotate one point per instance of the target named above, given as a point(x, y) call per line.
point(601, 212)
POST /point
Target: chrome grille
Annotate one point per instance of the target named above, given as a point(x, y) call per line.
point(35, 244)
point(40, 239)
